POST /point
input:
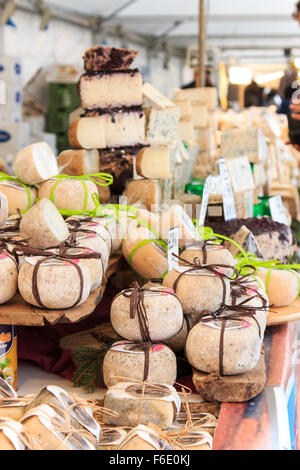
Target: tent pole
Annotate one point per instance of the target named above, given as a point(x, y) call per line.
point(201, 45)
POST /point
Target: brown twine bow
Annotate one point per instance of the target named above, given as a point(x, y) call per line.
point(137, 307)
point(238, 312)
point(76, 226)
point(196, 265)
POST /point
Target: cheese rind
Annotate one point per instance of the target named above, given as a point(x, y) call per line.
point(108, 58)
point(198, 291)
point(153, 162)
point(58, 283)
point(163, 311)
point(17, 196)
point(134, 405)
point(121, 366)
point(70, 194)
point(8, 278)
point(114, 89)
point(148, 259)
point(116, 129)
point(3, 208)
point(78, 162)
point(242, 347)
point(43, 225)
point(145, 191)
point(35, 163)
point(282, 286)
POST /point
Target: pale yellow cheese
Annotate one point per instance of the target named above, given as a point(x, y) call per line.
point(153, 162)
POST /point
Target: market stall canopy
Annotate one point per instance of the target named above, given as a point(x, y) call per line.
point(249, 29)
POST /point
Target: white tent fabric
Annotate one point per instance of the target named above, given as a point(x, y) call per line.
point(249, 31)
point(252, 24)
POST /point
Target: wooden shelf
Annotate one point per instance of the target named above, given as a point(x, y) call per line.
point(281, 315)
point(19, 312)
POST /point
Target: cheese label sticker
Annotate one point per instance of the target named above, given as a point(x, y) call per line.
point(173, 248)
point(130, 347)
point(229, 325)
point(277, 210)
point(228, 199)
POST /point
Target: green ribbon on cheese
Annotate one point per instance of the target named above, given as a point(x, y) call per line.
point(107, 178)
point(5, 177)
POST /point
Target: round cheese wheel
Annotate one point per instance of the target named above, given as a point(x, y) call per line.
point(58, 283)
point(241, 346)
point(43, 225)
point(125, 361)
point(17, 196)
point(282, 286)
point(8, 277)
point(95, 243)
point(3, 209)
point(69, 194)
point(199, 290)
point(215, 254)
point(35, 163)
point(94, 265)
point(149, 260)
point(160, 404)
point(163, 310)
point(94, 225)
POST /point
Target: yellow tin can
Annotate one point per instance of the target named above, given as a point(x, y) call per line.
point(8, 355)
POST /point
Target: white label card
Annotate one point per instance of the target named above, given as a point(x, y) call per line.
point(204, 202)
point(173, 248)
point(277, 210)
point(228, 199)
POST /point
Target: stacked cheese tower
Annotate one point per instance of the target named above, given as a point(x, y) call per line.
point(112, 127)
point(197, 118)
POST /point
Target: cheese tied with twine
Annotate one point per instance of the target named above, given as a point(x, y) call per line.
point(54, 283)
point(146, 313)
point(128, 360)
point(199, 287)
point(145, 254)
point(144, 438)
point(140, 403)
point(19, 195)
point(79, 413)
point(111, 438)
point(228, 343)
point(13, 436)
point(52, 431)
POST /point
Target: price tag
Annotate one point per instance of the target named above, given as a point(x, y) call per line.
point(277, 210)
point(228, 199)
point(173, 248)
point(204, 203)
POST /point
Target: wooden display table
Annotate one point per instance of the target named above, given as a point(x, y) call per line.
point(19, 312)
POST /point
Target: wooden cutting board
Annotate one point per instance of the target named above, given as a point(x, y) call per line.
point(281, 315)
